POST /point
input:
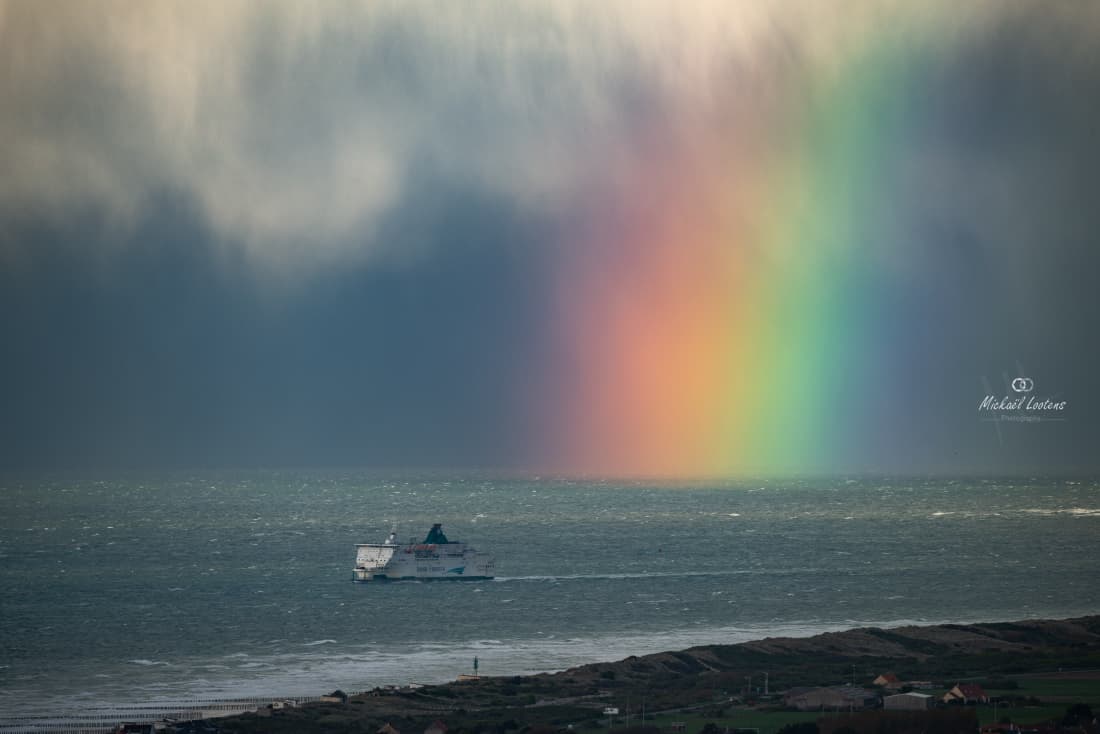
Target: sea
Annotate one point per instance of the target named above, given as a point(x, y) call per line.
point(154, 591)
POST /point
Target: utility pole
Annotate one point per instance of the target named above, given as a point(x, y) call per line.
point(765, 683)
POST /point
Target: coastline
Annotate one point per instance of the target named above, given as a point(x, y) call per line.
point(697, 675)
point(667, 680)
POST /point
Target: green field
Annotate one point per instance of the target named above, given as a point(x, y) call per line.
point(1086, 691)
point(768, 722)
point(1064, 692)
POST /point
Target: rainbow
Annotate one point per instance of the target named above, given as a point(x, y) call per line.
point(727, 309)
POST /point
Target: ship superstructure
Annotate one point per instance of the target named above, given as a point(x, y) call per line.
point(435, 558)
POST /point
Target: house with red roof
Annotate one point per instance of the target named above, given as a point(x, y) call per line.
point(888, 680)
point(966, 693)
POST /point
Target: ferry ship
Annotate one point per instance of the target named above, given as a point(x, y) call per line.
point(435, 558)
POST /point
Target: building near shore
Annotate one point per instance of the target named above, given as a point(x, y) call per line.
point(888, 680)
point(966, 693)
point(907, 702)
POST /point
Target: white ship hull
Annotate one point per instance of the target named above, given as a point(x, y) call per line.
point(391, 561)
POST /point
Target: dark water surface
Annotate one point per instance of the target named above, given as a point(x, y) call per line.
point(215, 586)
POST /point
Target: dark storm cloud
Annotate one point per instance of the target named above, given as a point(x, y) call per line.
point(171, 358)
point(998, 242)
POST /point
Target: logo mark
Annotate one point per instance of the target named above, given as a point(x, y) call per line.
point(1023, 384)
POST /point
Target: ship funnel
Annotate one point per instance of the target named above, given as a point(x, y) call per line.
point(435, 535)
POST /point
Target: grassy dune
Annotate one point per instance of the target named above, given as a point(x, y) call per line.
point(1037, 667)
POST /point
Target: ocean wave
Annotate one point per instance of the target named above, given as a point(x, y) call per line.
point(1074, 511)
point(315, 643)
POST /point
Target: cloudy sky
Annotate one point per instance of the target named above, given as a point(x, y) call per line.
point(623, 238)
